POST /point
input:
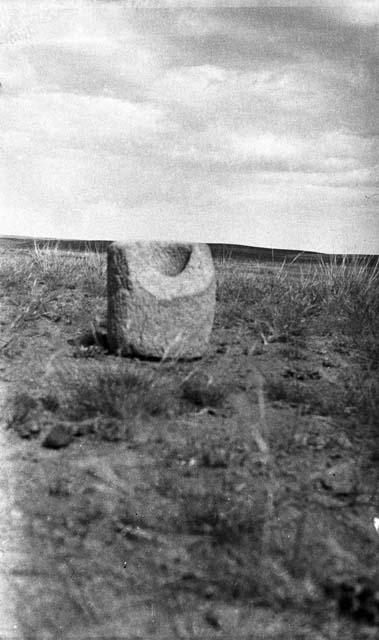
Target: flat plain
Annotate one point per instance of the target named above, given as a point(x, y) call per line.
point(234, 496)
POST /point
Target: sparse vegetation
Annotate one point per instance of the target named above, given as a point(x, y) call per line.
point(39, 273)
point(115, 392)
point(213, 482)
point(201, 390)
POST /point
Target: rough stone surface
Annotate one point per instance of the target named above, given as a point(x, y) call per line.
point(161, 299)
point(342, 478)
point(60, 435)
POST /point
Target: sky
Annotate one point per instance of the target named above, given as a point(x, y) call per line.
point(249, 124)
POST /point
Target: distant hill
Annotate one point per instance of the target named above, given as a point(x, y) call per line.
point(220, 251)
point(243, 252)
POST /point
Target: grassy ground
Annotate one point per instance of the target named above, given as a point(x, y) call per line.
point(231, 497)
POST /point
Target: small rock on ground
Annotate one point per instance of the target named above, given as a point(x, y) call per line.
point(341, 478)
point(60, 435)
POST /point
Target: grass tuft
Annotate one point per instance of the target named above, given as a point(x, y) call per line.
point(203, 391)
point(227, 518)
point(49, 267)
point(111, 391)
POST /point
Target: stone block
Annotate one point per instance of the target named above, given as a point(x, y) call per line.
point(161, 299)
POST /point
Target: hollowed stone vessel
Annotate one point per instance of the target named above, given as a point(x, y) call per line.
point(161, 299)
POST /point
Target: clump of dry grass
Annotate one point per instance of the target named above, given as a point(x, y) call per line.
point(333, 297)
point(344, 278)
point(39, 284)
point(275, 303)
point(327, 399)
point(19, 408)
point(87, 390)
point(49, 266)
point(226, 517)
point(203, 391)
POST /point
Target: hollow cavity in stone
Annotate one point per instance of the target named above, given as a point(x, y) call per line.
point(171, 259)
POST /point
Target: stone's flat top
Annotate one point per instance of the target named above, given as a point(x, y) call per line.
point(166, 269)
point(168, 258)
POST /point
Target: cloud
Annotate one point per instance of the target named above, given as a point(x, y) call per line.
point(78, 121)
point(361, 12)
point(252, 150)
point(82, 47)
point(295, 119)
